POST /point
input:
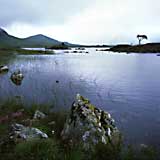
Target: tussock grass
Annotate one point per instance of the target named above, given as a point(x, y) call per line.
point(54, 148)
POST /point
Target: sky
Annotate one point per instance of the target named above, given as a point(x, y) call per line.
point(83, 21)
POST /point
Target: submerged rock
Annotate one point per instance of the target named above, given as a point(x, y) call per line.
point(4, 69)
point(17, 77)
point(20, 132)
point(74, 52)
point(66, 51)
point(39, 115)
point(90, 125)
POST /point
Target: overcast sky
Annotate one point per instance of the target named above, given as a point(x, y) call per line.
point(83, 21)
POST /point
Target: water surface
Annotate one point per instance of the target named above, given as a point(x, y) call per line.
point(126, 85)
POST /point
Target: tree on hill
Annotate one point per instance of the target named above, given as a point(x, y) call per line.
point(141, 37)
point(63, 44)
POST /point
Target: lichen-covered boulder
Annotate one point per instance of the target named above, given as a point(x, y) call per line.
point(20, 133)
point(89, 125)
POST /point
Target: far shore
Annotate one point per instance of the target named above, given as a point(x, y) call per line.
point(145, 48)
point(120, 48)
point(5, 51)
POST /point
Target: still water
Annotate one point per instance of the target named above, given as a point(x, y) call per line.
point(126, 85)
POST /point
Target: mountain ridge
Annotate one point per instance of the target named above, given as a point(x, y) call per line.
point(35, 41)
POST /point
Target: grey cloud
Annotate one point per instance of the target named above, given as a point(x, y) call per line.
point(39, 11)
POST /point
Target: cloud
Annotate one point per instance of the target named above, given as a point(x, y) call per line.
point(39, 12)
point(117, 21)
point(85, 21)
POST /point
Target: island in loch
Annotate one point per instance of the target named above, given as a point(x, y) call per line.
point(145, 48)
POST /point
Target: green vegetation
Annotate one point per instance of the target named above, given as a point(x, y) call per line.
point(36, 41)
point(54, 148)
point(60, 46)
point(10, 51)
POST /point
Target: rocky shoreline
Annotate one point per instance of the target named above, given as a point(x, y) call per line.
point(85, 123)
point(84, 133)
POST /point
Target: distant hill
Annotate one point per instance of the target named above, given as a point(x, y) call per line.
point(40, 41)
point(7, 40)
point(36, 41)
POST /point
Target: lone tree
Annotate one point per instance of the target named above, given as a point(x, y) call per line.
point(141, 37)
point(63, 44)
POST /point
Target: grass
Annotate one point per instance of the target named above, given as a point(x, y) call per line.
point(37, 149)
point(7, 51)
point(61, 47)
point(54, 148)
point(147, 153)
point(32, 52)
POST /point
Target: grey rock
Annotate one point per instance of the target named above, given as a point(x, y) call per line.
point(90, 125)
point(17, 77)
point(4, 69)
point(20, 132)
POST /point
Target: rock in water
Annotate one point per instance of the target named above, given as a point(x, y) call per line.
point(17, 77)
point(3, 69)
point(20, 132)
point(89, 125)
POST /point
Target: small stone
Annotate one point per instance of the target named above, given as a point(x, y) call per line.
point(143, 145)
point(17, 77)
point(4, 69)
point(39, 115)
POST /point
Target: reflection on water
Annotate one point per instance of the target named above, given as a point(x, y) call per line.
point(125, 85)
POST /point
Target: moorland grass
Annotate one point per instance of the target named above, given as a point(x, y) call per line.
point(54, 148)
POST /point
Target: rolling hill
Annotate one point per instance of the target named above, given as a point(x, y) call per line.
point(36, 41)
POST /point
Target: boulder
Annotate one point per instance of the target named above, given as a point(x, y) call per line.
point(89, 125)
point(17, 77)
point(4, 69)
point(20, 133)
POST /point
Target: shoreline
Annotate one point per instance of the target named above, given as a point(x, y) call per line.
point(145, 48)
point(52, 124)
point(24, 51)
